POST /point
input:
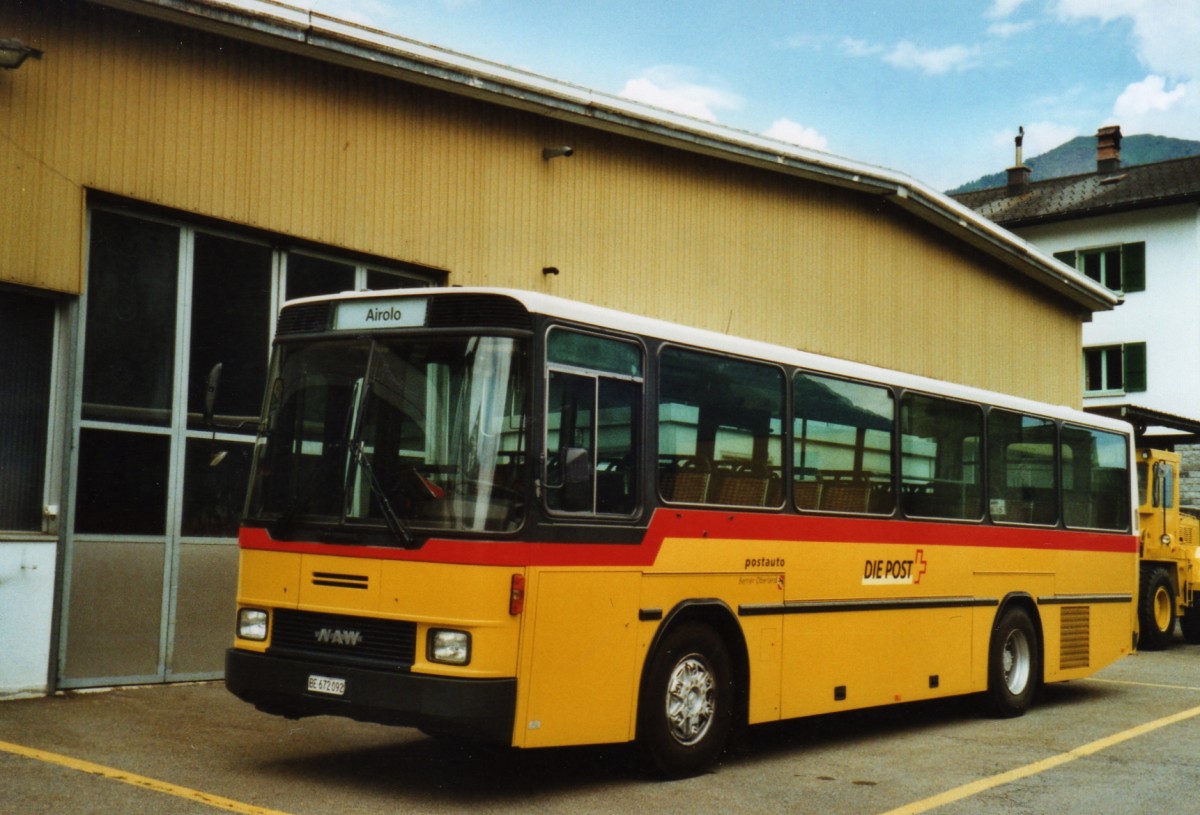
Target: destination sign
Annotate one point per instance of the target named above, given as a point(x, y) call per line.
point(408, 312)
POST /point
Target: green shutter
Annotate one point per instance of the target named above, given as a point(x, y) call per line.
point(1135, 366)
point(1133, 267)
point(1067, 257)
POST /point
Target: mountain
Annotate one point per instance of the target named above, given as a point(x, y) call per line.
point(1078, 156)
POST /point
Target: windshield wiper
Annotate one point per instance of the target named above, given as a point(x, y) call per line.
point(395, 523)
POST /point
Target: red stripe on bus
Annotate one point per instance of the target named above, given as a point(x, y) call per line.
point(747, 526)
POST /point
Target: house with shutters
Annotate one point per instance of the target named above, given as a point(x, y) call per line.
point(1135, 230)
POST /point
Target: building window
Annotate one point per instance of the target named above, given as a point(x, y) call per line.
point(1114, 369)
point(1119, 268)
point(167, 303)
point(26, 362)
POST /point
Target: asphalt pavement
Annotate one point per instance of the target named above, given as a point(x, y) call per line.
point(1125, 741)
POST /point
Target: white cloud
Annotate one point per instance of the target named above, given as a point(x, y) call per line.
point(795, 133)
point(932, 61)
point(1150, 94)
point(1149, 107)
point(1003, 8)
point(670, 87)
point(855, 47)
point(1006, 30)
point(1165, 32)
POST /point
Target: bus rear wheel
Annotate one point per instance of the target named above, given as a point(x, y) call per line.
point(1156, 609)
point(1014, 664)
point(686, 708)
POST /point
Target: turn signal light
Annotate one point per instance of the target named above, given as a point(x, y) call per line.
point(516, 597)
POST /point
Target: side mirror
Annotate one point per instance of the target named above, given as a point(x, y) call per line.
point(576, 479)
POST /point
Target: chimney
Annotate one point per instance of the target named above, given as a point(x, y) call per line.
point(1108, 149)
point(1018, 174)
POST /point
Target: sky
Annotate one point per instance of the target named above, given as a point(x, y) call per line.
point(934, 89)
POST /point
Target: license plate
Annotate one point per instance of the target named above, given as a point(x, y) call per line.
point(326, 684)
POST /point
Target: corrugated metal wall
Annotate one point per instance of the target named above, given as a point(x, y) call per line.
point(247, 135)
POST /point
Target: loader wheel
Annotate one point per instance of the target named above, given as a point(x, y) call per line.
point(1190, 623)
point(1156, 609)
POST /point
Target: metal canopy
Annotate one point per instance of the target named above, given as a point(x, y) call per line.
point(1153, 427)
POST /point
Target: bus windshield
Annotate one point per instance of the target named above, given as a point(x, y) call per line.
point(406, 435)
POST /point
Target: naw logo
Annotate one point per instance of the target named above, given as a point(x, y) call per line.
point(895, 572)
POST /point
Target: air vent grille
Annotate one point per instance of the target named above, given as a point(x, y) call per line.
point(478, 311)
point(343, 638)
point(304, 318)
point(1075, 639)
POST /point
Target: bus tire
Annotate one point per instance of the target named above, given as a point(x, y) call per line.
point(1156, 609)
point(1014, 664)
point(686, 709)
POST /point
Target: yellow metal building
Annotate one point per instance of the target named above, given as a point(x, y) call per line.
point(175, 169)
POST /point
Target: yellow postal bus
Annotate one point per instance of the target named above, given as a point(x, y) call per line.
point(507, 516)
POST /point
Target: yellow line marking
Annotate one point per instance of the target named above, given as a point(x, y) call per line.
point(984, 784)
point(133, 779)
point(1142, 684)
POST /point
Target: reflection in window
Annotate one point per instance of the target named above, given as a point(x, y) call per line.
point(230, 320)
point(940, 467)
point(592, 424)
point(27, 337)
point(128, 368)
point(720, 436)
point(842, 455)
point(122, 483)
point(1095, 472)
point(214, 486)
point(309, 276)
point(1022, 476)
point(378, 280)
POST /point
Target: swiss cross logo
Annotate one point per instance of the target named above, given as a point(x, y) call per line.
point(899, 572)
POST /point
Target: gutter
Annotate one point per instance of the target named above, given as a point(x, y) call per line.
point(314, 35)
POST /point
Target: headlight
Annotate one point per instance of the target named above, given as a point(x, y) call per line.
point(449, 647)
point(252, 624)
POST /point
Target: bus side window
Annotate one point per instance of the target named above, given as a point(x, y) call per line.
point(1095, 473)
point(842, 445)
point(940, 458)
point(720, 430)
point(1022, 478)
point(593, 420)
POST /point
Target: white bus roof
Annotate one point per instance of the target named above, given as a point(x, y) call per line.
point(626, 322)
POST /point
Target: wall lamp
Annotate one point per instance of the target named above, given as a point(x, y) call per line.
point(557, 152)
point(13, 52)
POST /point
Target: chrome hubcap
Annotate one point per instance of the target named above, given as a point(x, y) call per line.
point(1017, 662)
point(691, 700)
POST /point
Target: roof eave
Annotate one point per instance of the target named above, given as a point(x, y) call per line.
point(318, 36)
point(1100, 211)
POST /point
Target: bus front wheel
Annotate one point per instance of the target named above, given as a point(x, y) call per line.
point(1014, 669)
point(686, 708)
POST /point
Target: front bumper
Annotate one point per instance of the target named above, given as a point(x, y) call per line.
point(474, 708)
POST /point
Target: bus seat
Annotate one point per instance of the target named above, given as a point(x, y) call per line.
point(837, 497)
point(742, 490)
point(684, 486)
point(807, 494)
